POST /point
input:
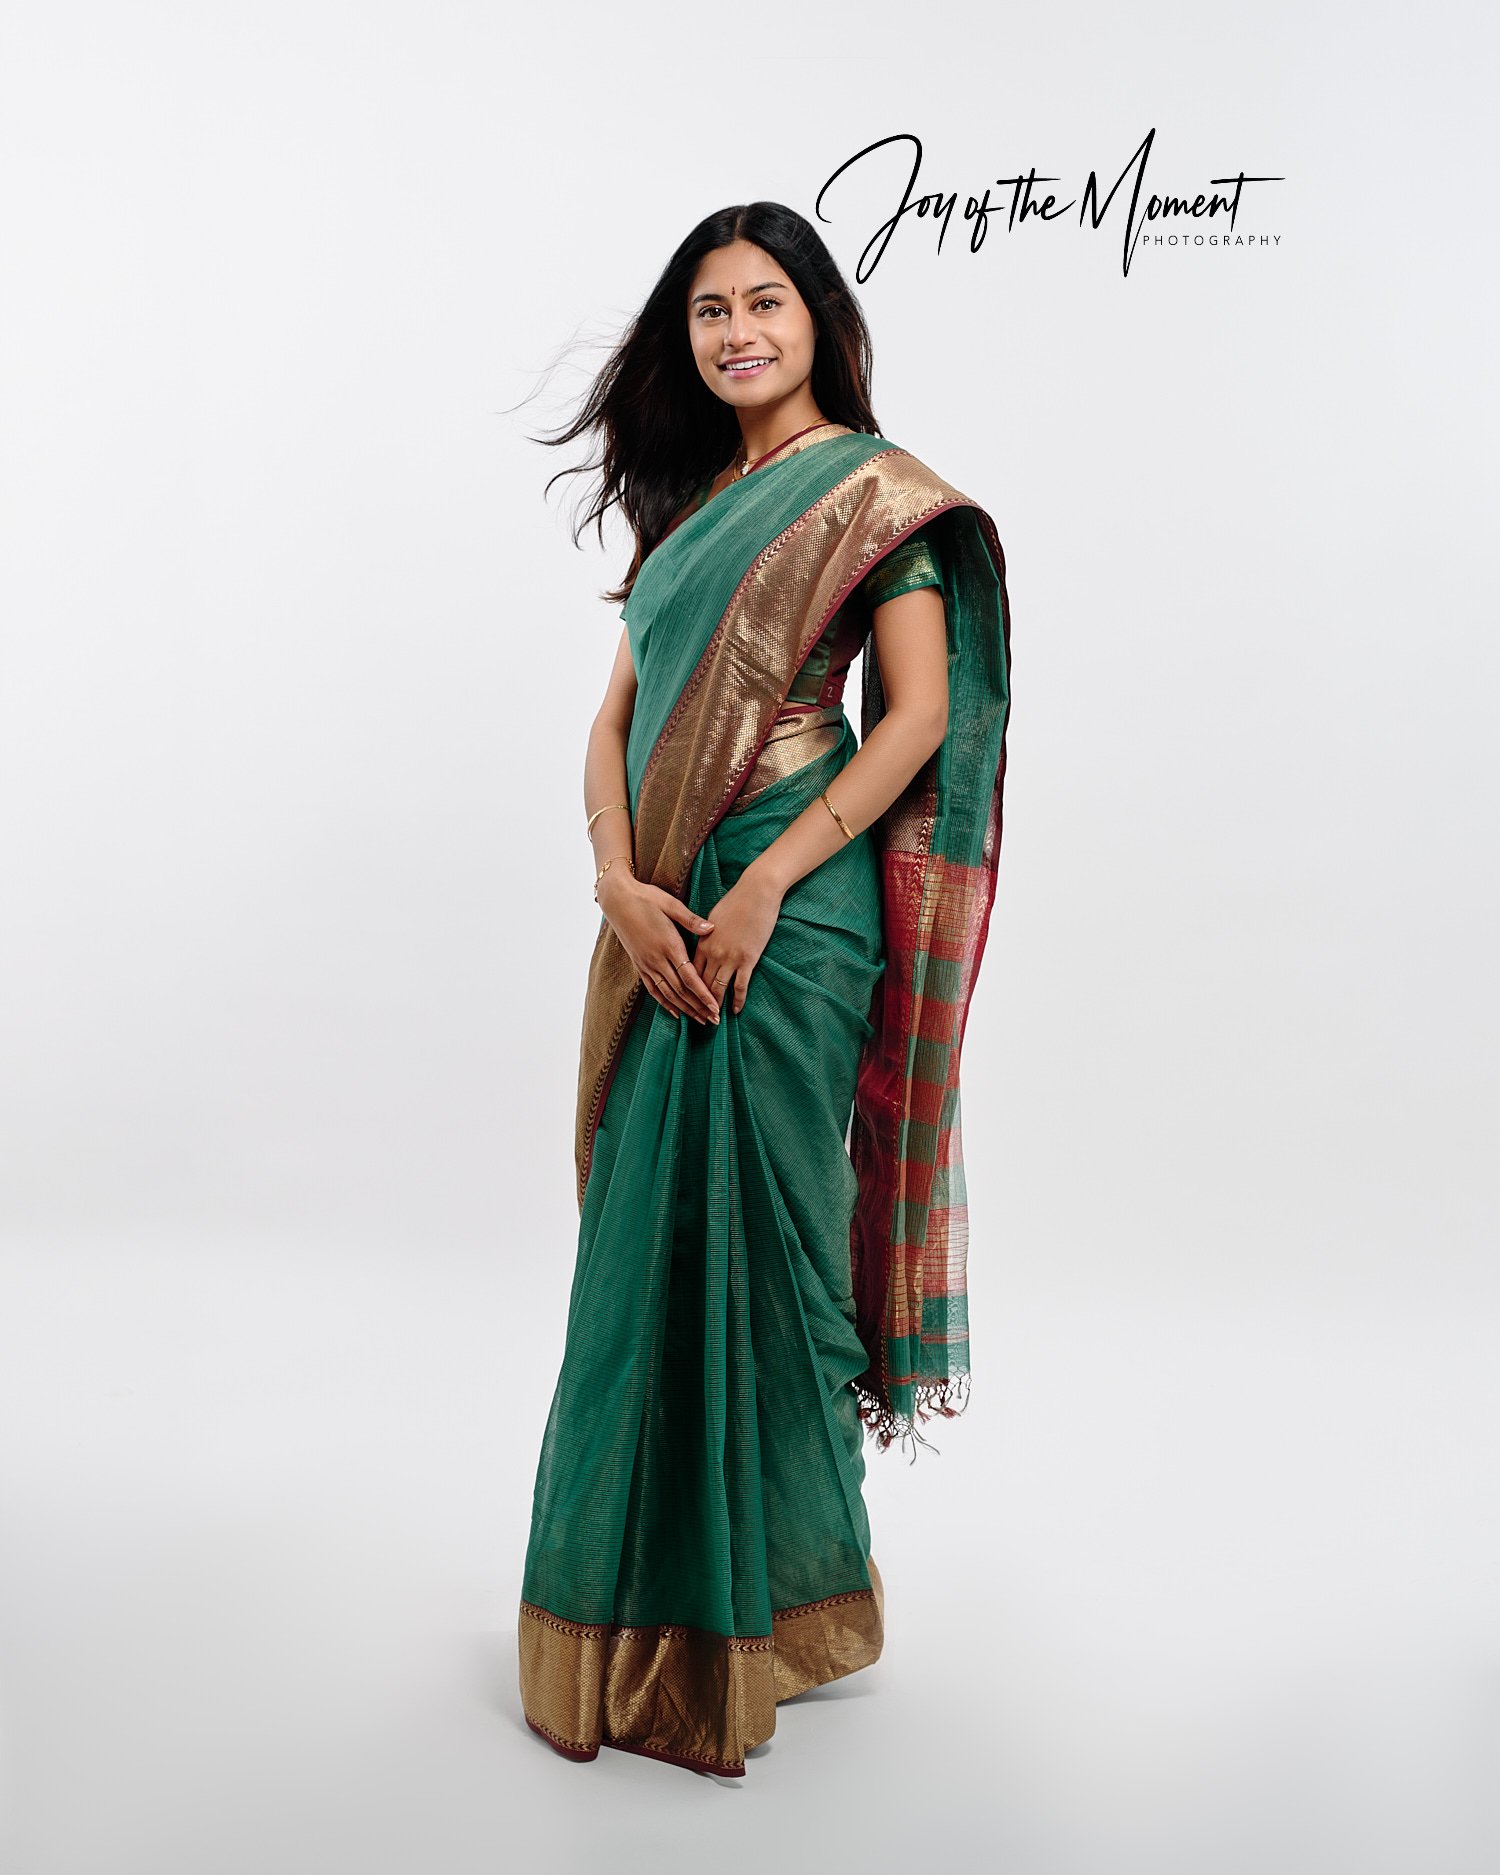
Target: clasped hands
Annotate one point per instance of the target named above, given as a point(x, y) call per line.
point(649, 922)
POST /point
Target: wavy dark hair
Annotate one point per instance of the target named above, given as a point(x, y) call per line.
point(661, 429)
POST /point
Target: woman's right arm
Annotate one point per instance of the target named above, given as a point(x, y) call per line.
point(604, 764)
point(644, 917)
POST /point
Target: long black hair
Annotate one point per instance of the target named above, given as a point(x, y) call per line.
point(662, 431)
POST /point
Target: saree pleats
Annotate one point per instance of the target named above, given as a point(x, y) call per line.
point(700, 1547)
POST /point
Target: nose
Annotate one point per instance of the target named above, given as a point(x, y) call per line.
point(741, 326)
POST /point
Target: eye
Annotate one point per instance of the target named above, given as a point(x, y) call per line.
point(766, 299)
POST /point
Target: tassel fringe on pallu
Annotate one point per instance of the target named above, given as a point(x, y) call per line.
point(945, 1399)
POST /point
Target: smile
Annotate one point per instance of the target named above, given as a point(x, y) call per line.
point(747, 367)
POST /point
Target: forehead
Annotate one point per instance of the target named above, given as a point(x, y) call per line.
point(737, 269)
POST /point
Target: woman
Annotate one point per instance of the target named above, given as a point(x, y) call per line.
point(792, 923)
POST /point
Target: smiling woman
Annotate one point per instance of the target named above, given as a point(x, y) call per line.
point(768, 319)
point(793, 921)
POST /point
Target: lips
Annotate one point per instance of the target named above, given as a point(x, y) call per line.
point(746, 368)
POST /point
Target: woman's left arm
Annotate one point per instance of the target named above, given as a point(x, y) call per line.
point(910, 638)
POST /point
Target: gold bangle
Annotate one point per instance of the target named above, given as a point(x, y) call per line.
point(848, 834)
point(605, 868)
point(589, 830)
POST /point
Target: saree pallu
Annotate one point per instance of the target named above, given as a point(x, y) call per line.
point(752, 1291)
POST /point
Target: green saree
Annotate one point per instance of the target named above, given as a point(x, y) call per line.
point(751, 1292)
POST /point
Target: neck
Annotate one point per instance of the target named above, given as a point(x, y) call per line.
point(762, 430)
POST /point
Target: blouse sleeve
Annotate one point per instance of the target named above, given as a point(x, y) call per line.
point(903, 569)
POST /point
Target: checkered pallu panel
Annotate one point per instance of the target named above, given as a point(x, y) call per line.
point(939, 847)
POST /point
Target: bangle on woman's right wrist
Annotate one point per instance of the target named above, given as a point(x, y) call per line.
point(589, 830)
point(627, 861)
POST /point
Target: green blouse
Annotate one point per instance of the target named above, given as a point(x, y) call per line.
point(821, 678)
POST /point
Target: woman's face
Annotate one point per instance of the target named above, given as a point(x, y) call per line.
point(743, 308)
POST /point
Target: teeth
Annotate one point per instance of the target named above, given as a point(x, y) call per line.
point(747, 364)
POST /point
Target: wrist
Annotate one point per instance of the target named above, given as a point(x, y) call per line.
point(612, 869)
point(617, 882)
point(765, 876)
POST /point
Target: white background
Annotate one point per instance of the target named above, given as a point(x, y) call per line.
point(298, 667)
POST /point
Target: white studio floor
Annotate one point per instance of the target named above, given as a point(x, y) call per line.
point(1198, 1589)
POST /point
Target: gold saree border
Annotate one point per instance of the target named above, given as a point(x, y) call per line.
point(683, 1694)
point(792, 743)
point(723, 717)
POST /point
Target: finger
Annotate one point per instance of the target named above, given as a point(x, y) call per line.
point(718, 976)
point(654, 988)
point(692, 982)
point(673, 991)
point(670, 990)
point(688, 985)
point(685, 915)
point(741, 988)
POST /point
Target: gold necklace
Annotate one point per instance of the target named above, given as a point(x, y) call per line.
point(742, 459)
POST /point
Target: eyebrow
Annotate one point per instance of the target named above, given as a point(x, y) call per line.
point(750, 289)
